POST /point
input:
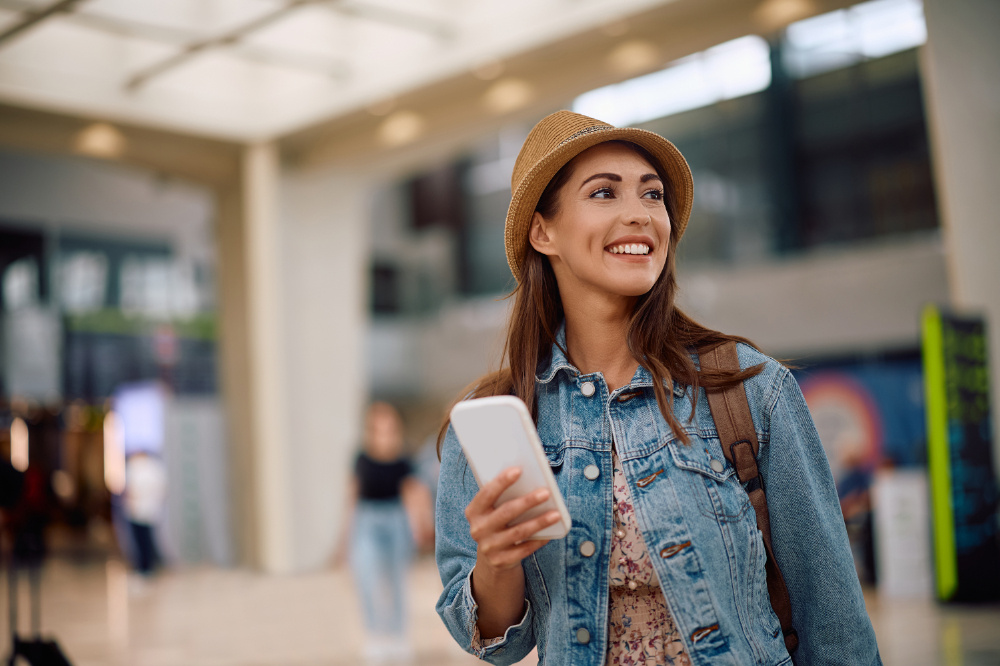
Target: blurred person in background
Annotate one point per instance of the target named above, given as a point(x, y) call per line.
point(390, 513)
point(11, 482)
point(664, 563)
point(145, 491)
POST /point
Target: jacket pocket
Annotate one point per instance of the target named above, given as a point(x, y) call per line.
point(700, 457)
point(555, 455)
point(712, 480)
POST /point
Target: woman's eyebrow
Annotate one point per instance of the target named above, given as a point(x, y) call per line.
point(607, 176)
point(617, 179)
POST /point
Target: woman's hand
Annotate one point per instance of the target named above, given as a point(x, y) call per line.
point(498, 580)
point(501, 547)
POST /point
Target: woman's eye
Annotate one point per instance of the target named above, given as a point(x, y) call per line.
point(655, 194)
point(602, 193)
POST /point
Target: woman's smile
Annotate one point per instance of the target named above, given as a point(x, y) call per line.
point(632, 247)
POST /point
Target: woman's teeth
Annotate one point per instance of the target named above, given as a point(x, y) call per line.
point(633, 248)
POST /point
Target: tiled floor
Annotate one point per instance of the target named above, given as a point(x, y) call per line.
point(213, 617)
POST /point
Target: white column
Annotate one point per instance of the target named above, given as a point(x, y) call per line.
point(267, 333)
point(324, 225)
point(962, 89)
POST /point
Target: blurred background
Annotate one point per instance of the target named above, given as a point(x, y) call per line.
point(227, 226)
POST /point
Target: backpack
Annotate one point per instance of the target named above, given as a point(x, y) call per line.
point(731, 413)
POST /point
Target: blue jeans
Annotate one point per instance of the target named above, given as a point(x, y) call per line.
point(147, 557)
point(381, 549)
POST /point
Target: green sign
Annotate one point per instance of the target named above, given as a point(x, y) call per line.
point(964, 494)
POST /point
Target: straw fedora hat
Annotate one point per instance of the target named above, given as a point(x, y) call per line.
point(558, 138)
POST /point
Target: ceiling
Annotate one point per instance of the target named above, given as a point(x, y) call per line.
point(250, 70)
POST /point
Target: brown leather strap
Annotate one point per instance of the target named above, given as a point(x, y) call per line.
point(733, 422)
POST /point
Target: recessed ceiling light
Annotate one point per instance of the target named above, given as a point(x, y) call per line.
point(508, 95)
point(633, 56)
point(100, 140)
point(401, 128)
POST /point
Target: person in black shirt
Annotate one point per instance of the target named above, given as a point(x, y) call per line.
point(391, 510)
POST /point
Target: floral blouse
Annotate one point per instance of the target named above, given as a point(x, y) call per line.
point(641, 631)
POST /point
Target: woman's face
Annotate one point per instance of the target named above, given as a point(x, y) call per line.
point(610, 232)
point(384, 436)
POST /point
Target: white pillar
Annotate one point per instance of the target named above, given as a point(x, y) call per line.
point(324, 226)
point(267, 331)
point(962, 89)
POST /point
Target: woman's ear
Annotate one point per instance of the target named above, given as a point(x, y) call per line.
point(540, 234)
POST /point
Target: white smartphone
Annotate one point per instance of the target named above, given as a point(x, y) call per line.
point(497, 433)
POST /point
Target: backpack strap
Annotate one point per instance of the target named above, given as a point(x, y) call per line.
point(731, 412)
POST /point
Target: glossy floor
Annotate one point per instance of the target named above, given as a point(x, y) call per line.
point(215, 617)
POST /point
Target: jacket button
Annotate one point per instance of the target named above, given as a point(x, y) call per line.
point(582, 636)
point(591, 472)
point(716, 465)
point(587, 389)
point(587, 548)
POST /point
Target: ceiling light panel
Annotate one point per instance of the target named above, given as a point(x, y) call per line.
point(131, 59)
point(223, 77)
point(95, 54)
point(314, 30)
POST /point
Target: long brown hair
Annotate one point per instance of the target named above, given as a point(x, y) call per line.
point(660, 337)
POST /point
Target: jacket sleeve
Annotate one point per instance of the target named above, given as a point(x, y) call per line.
point(809, 537)
point(455, 552)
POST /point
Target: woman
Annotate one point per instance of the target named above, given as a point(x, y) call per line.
point(664, 563)
point(390, 511)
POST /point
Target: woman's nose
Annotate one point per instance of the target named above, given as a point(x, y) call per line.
point(636, 212)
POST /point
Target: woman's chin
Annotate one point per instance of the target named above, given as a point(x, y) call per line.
point(636, 285)
point(632, 288)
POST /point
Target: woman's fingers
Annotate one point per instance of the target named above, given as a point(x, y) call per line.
point(500, 544)
point(522, 531)
point(509, 547)
point(490, 493)
point(483, 523)
point(507, 512)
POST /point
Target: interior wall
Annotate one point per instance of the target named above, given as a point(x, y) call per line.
point(825, 303)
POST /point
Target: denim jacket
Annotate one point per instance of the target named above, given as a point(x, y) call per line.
point(695, 518)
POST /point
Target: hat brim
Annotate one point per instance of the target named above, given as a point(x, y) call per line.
point(525, 198)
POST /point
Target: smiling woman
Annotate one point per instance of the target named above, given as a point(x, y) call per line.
point(664, 563)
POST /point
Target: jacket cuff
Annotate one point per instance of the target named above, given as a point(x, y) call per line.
point(483, 647)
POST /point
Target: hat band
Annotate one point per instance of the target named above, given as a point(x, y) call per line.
point(585, 131)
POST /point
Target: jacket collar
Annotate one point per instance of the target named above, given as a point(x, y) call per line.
point(558, 361)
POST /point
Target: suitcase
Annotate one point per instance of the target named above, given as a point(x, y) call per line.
point(38, 652)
